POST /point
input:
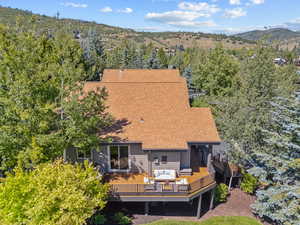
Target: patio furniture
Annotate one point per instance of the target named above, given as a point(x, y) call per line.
point(186, 172)
point(167, 187)
point(146, 180)
point(164, 175)
point(182, 181)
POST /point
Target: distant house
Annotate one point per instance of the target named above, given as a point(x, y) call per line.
point(161, 148)
point(279, 61)
point(297, 62)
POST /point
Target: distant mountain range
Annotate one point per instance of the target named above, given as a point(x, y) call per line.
point(275, 34)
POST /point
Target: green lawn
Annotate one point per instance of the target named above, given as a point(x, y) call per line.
point(218, 220)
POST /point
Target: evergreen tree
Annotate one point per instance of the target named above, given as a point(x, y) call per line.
point(278, 165)
point(152, 62)
point(128, 55)
point(261, 124)
point(187, 74)
point(94, 54)
point(163, 59)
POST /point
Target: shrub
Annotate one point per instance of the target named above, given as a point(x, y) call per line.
point(52, 194)
point(99, 219)
point(249, 183)
point(221, 193)
point(120, 218)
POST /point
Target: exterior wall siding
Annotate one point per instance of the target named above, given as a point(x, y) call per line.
point(138, 159)
point(185, 161)
point(173, 160)
point(100, 158)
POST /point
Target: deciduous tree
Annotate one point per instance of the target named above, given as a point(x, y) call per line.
point(40, 84)
point(53, 194)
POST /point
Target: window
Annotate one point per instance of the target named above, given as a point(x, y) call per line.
point(156, 161)
point(83, 155)
point(164, 159)
point(119, 159)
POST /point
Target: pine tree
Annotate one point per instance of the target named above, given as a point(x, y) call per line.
point(187, 74)
point(163, 59)
point(152, 62)
point(94, 54)
point(261, 123)
point(278, 166)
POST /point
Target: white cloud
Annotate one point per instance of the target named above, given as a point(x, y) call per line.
point(193, 24)
point(187, 15)
point(186, 19)
point(235, 13)
point(106, 9)
point(74, 5)
point(258, 2)
point(234, 2)
point(175, 16)
point(199, 7)
point(126, 10)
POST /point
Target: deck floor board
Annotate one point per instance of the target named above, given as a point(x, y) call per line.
point(138, 178)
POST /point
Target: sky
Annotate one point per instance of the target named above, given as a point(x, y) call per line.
point(211, 16)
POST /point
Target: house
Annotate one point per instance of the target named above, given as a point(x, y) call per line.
point(279, 61)
point(161, 148)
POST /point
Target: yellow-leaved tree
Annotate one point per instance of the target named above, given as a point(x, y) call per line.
point(51, 194)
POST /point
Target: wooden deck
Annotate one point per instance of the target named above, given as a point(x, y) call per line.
point(129, 184)
point(138, 178)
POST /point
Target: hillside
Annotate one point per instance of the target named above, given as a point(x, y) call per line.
point(278, 34)
point(113, 35)
point(286, 38)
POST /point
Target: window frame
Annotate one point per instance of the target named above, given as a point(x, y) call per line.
point(109, 159)
point(84, 156)
point(164, 161)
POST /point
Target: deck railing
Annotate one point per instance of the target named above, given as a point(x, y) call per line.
point(202, 182)
point(163, 188)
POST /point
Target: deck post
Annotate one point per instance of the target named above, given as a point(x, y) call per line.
point(146, 208)
point(239, 181)
point(212, 196)
point(230, 182)
point(199, 207)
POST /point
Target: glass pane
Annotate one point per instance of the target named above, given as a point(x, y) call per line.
point(80, 155)
point(124, 165)
point(114, 161)
point(164, 159)
point(88, 155)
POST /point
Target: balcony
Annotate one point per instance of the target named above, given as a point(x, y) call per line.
point(129, 184)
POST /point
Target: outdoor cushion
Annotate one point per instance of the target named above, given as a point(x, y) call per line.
point(164, 174)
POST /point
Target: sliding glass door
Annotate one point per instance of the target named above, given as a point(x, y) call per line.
point(119, 160)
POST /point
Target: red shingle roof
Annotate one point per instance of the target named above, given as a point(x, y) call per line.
point(155, 104)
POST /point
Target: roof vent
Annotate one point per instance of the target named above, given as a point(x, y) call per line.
point(121, 73)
